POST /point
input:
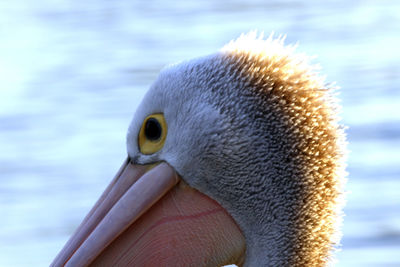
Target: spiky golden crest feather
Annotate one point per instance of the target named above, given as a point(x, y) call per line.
point(310, 110)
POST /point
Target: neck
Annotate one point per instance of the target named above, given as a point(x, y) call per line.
point(292, 209)
point(288, 177)
point(285, 218)
point(282, 182)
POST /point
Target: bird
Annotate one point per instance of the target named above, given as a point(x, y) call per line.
point(237, 157)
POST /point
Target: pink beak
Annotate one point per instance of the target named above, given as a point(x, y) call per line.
point(139, 208)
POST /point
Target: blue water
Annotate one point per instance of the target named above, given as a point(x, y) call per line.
point(73, 72)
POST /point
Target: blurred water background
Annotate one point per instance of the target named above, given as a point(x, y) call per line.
point(73, 72)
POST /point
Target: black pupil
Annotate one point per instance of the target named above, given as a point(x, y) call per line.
point(152, 129)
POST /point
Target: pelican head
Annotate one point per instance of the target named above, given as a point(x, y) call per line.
point(236, 157)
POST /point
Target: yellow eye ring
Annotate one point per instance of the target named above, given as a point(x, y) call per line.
point(153, 133)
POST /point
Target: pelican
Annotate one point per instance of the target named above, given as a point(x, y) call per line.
point(233, 158)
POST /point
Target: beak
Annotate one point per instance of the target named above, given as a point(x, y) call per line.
point(140, 207)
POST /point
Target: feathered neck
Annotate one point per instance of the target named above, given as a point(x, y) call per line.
point(302, 169)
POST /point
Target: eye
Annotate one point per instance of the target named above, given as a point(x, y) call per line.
point(152, 134)
point(152, 129)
